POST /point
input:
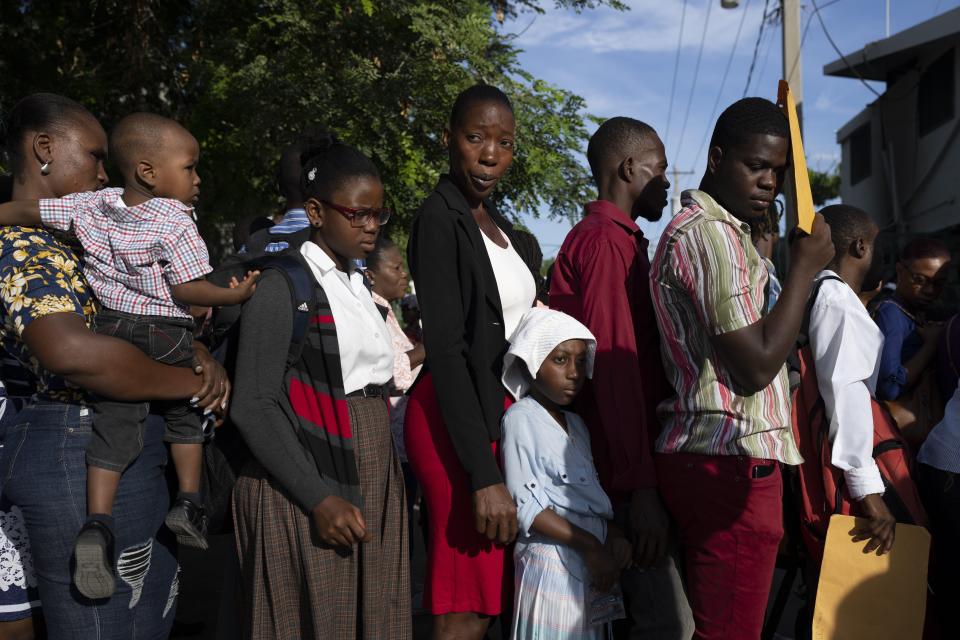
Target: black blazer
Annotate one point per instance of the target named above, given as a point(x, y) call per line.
point(462, 324)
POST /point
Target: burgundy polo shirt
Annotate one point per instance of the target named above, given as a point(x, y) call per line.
point(602, 278)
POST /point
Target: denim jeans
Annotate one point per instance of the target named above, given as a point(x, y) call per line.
point(18, 582)
point(44, 473)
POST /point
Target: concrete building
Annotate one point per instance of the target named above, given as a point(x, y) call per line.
point(901, 160)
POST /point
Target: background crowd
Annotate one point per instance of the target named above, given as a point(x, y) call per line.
point(604, 450)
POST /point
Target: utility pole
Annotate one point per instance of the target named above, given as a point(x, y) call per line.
point(793, 74)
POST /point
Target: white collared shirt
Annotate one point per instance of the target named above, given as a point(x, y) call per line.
point(366, 352)
point(846, 346)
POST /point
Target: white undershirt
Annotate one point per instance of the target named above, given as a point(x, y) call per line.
point(366, 350)
point(846, 346)
point(514, 282)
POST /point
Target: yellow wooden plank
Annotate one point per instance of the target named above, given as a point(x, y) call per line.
point(802, 198)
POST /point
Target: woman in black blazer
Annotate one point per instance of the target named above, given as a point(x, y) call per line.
point(472, 287)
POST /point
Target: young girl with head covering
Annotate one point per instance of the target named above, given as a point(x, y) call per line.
point(566, 550)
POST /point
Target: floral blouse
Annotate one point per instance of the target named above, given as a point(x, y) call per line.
point(403, 376)
point(39, 275)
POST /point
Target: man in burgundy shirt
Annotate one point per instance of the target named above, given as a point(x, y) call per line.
point(601, 277)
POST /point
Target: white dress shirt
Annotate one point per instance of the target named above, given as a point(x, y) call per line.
point(514, 282)
point(366, 351)
point(846, 346)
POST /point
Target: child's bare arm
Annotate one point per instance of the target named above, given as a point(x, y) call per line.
point(21, 213)
point(207, 294)
point(548, 523)
point(599, 559)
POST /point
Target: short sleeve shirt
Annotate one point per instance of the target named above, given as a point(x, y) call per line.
point(706, 280)
point(39, 276)
point(134, 255)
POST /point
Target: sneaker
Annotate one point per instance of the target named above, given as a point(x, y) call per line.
point(189, 522)
point(93, 574)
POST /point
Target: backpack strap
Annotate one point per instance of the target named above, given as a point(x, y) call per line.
point(303, 298)
point(803, 338)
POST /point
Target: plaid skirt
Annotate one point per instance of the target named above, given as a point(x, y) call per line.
point(296, 587)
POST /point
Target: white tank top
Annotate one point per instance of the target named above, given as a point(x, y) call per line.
point(514, 281)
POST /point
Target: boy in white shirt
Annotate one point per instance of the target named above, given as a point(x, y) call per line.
point(846, 346)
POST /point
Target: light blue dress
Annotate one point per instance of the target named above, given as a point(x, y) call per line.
point(547, 468)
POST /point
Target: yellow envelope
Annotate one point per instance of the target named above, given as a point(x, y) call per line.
point(801, 196)
point(865, 596)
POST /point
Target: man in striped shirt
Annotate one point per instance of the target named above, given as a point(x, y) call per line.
point(727, 429)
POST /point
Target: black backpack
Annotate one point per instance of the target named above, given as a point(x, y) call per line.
point(225, 455)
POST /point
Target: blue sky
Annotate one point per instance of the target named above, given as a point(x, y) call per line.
point(622, 63)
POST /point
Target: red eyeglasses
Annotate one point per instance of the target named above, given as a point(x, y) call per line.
point(360, 217)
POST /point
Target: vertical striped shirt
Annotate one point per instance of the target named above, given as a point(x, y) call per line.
point(707, 280)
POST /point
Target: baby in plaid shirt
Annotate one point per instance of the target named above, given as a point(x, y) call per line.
point(145, 261)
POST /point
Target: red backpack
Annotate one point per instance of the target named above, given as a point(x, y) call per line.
point(822, 489)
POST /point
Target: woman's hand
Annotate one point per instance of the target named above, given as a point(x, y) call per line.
point(339, 523)
point(495, 514)
point(214, 392)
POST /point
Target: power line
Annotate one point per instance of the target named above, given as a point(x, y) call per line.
point(723, 81)
point(676, 67)
point(766, 56)
point(696, 73)
point(833, 44)
point(756, 47)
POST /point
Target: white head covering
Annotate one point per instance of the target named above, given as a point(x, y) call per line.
point(539, 332)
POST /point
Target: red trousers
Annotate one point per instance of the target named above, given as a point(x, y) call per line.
point(730, 527)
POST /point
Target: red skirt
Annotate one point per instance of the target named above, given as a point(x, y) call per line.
point(465, 570)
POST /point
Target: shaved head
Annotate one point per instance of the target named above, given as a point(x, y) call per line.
point(615, 140)
point(144, 137)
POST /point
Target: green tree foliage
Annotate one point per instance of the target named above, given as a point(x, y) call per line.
point(825, 185)
point(246, 76)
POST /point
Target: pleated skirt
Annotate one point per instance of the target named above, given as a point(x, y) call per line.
point(551, 604)
point(294, 586)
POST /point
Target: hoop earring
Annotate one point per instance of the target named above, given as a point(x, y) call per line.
point(45, 169)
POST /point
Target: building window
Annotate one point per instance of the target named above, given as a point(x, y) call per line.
point(935, 94)
point(860, 154)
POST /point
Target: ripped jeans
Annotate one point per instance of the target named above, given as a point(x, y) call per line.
point(44, 473)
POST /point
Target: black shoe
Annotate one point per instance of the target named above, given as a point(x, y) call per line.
point(93, 573)
point(189, 522)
